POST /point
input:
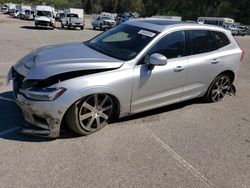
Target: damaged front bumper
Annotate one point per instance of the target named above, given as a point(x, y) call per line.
point(43, 118)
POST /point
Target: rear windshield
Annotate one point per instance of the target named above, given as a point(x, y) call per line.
point(72, 15)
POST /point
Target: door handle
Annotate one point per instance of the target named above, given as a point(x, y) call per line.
point(179, 69)
point(215, 61)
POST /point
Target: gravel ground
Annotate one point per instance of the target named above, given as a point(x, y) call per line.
point(191, 144)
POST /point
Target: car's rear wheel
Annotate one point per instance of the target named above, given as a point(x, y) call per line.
point(218, 88)
point(91, 113)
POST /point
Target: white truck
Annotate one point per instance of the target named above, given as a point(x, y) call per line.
point(73, 18)
point(45, 16)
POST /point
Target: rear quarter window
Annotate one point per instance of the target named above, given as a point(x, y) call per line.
point(220, 39)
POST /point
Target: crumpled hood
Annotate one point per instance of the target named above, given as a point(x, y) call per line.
point(51, 60)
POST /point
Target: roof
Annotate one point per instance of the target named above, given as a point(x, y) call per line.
point(162, 22)
point(156, 24)
point(161, 25)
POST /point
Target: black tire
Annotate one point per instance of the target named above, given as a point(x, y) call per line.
point(218, 88)
point(68, 25)
point(81, 27)
point(87, 116)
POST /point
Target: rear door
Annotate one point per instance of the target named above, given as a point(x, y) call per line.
point(204, 63)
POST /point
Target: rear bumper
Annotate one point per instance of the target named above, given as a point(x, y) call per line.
point(76, 24)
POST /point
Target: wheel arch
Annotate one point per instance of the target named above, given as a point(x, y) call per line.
point(112, 93)
point(230, 73)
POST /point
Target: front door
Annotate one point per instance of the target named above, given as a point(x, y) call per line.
point(161, 85)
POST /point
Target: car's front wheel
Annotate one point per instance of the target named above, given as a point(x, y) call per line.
point(218, 88)
point(90, 114)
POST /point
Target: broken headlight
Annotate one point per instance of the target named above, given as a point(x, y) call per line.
point(42, 94)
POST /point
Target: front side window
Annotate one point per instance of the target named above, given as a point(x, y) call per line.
point(201, 41)
point(171, 46)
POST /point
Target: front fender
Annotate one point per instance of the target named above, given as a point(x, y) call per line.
point(71, 97)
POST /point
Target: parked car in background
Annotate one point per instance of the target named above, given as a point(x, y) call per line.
point(11, 11)
point(103, 22)
point(137, 66)
point(44, 16)
point(128, 16)
point(4, 10)
point(22, 14)
point(73, 18)
point(16, 13)
point(237, 29)
point(27, 15)
point(8, 8)
point(243, 29)
point(59, 16)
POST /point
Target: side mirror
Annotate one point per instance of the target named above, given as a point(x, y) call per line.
point(157, 60)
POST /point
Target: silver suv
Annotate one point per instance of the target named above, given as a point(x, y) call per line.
point(137, 66)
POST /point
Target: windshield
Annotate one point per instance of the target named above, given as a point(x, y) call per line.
point(27, 11)
point(44, 13)
point(123, 42)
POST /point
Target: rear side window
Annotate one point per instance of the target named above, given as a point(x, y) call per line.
point(201, 41)
point(220, 38)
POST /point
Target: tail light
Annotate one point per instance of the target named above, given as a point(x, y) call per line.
point(242, 51)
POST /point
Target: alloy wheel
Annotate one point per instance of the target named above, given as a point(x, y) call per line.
point(220, 88)
point(95, 112)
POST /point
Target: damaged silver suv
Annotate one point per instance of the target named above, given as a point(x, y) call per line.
point(137, 66)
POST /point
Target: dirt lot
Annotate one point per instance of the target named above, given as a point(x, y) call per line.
point(191, 144)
